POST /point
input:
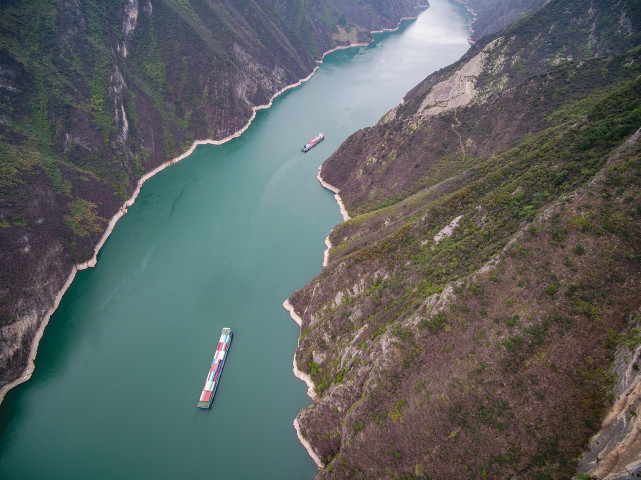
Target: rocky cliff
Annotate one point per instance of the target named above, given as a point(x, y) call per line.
point(94, 95)
point(468, 320)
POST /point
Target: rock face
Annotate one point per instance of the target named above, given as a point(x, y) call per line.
point(459, 89)
point(93, 95)
point(468, 318)
point(615, 452)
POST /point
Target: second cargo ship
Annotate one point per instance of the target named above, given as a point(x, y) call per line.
point(216, 370)
point(313, 142)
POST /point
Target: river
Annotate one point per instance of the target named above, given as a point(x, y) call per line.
point(221, 239)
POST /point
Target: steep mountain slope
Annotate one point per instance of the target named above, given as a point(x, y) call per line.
point(469, 316)
point(522, 66)
point(93, 95)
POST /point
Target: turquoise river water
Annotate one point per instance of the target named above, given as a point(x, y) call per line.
point(221, 239)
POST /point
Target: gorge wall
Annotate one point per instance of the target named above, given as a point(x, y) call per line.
point(480, 305)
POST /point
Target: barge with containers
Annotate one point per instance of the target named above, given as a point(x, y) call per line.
point(216, 370)
point(313, 142)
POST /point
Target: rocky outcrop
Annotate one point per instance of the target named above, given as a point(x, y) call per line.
point(459, 89)
point(129, 24)
point(614, 453)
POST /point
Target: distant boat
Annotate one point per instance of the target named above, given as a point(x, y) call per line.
point(216, 370)
point(313, 142)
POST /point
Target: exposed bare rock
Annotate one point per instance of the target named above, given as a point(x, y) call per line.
point(614, 452)
point(459, 89)
point(447, 230)
point(129, 23)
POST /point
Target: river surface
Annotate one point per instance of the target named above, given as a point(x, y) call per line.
point(219, 240)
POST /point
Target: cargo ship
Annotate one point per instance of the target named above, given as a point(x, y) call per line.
point(313, 142)
point(216, 370)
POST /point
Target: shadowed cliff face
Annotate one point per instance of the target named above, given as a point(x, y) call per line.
point(467, 321)
point(95, 94)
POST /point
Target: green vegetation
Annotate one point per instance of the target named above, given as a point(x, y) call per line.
point(20, 221)
point(82, 219)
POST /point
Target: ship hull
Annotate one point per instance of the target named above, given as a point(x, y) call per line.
point(313, 142)
point(215, 370)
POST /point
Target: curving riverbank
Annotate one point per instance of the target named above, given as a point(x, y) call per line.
point(310, 388)
point(383, 30)
point(336, 191)
point(474, 18)
point(307, 445)
point(298, 373)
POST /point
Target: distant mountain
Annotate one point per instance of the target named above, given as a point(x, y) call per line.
point(494, 15)
point(95, 94)
point(480, 312)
